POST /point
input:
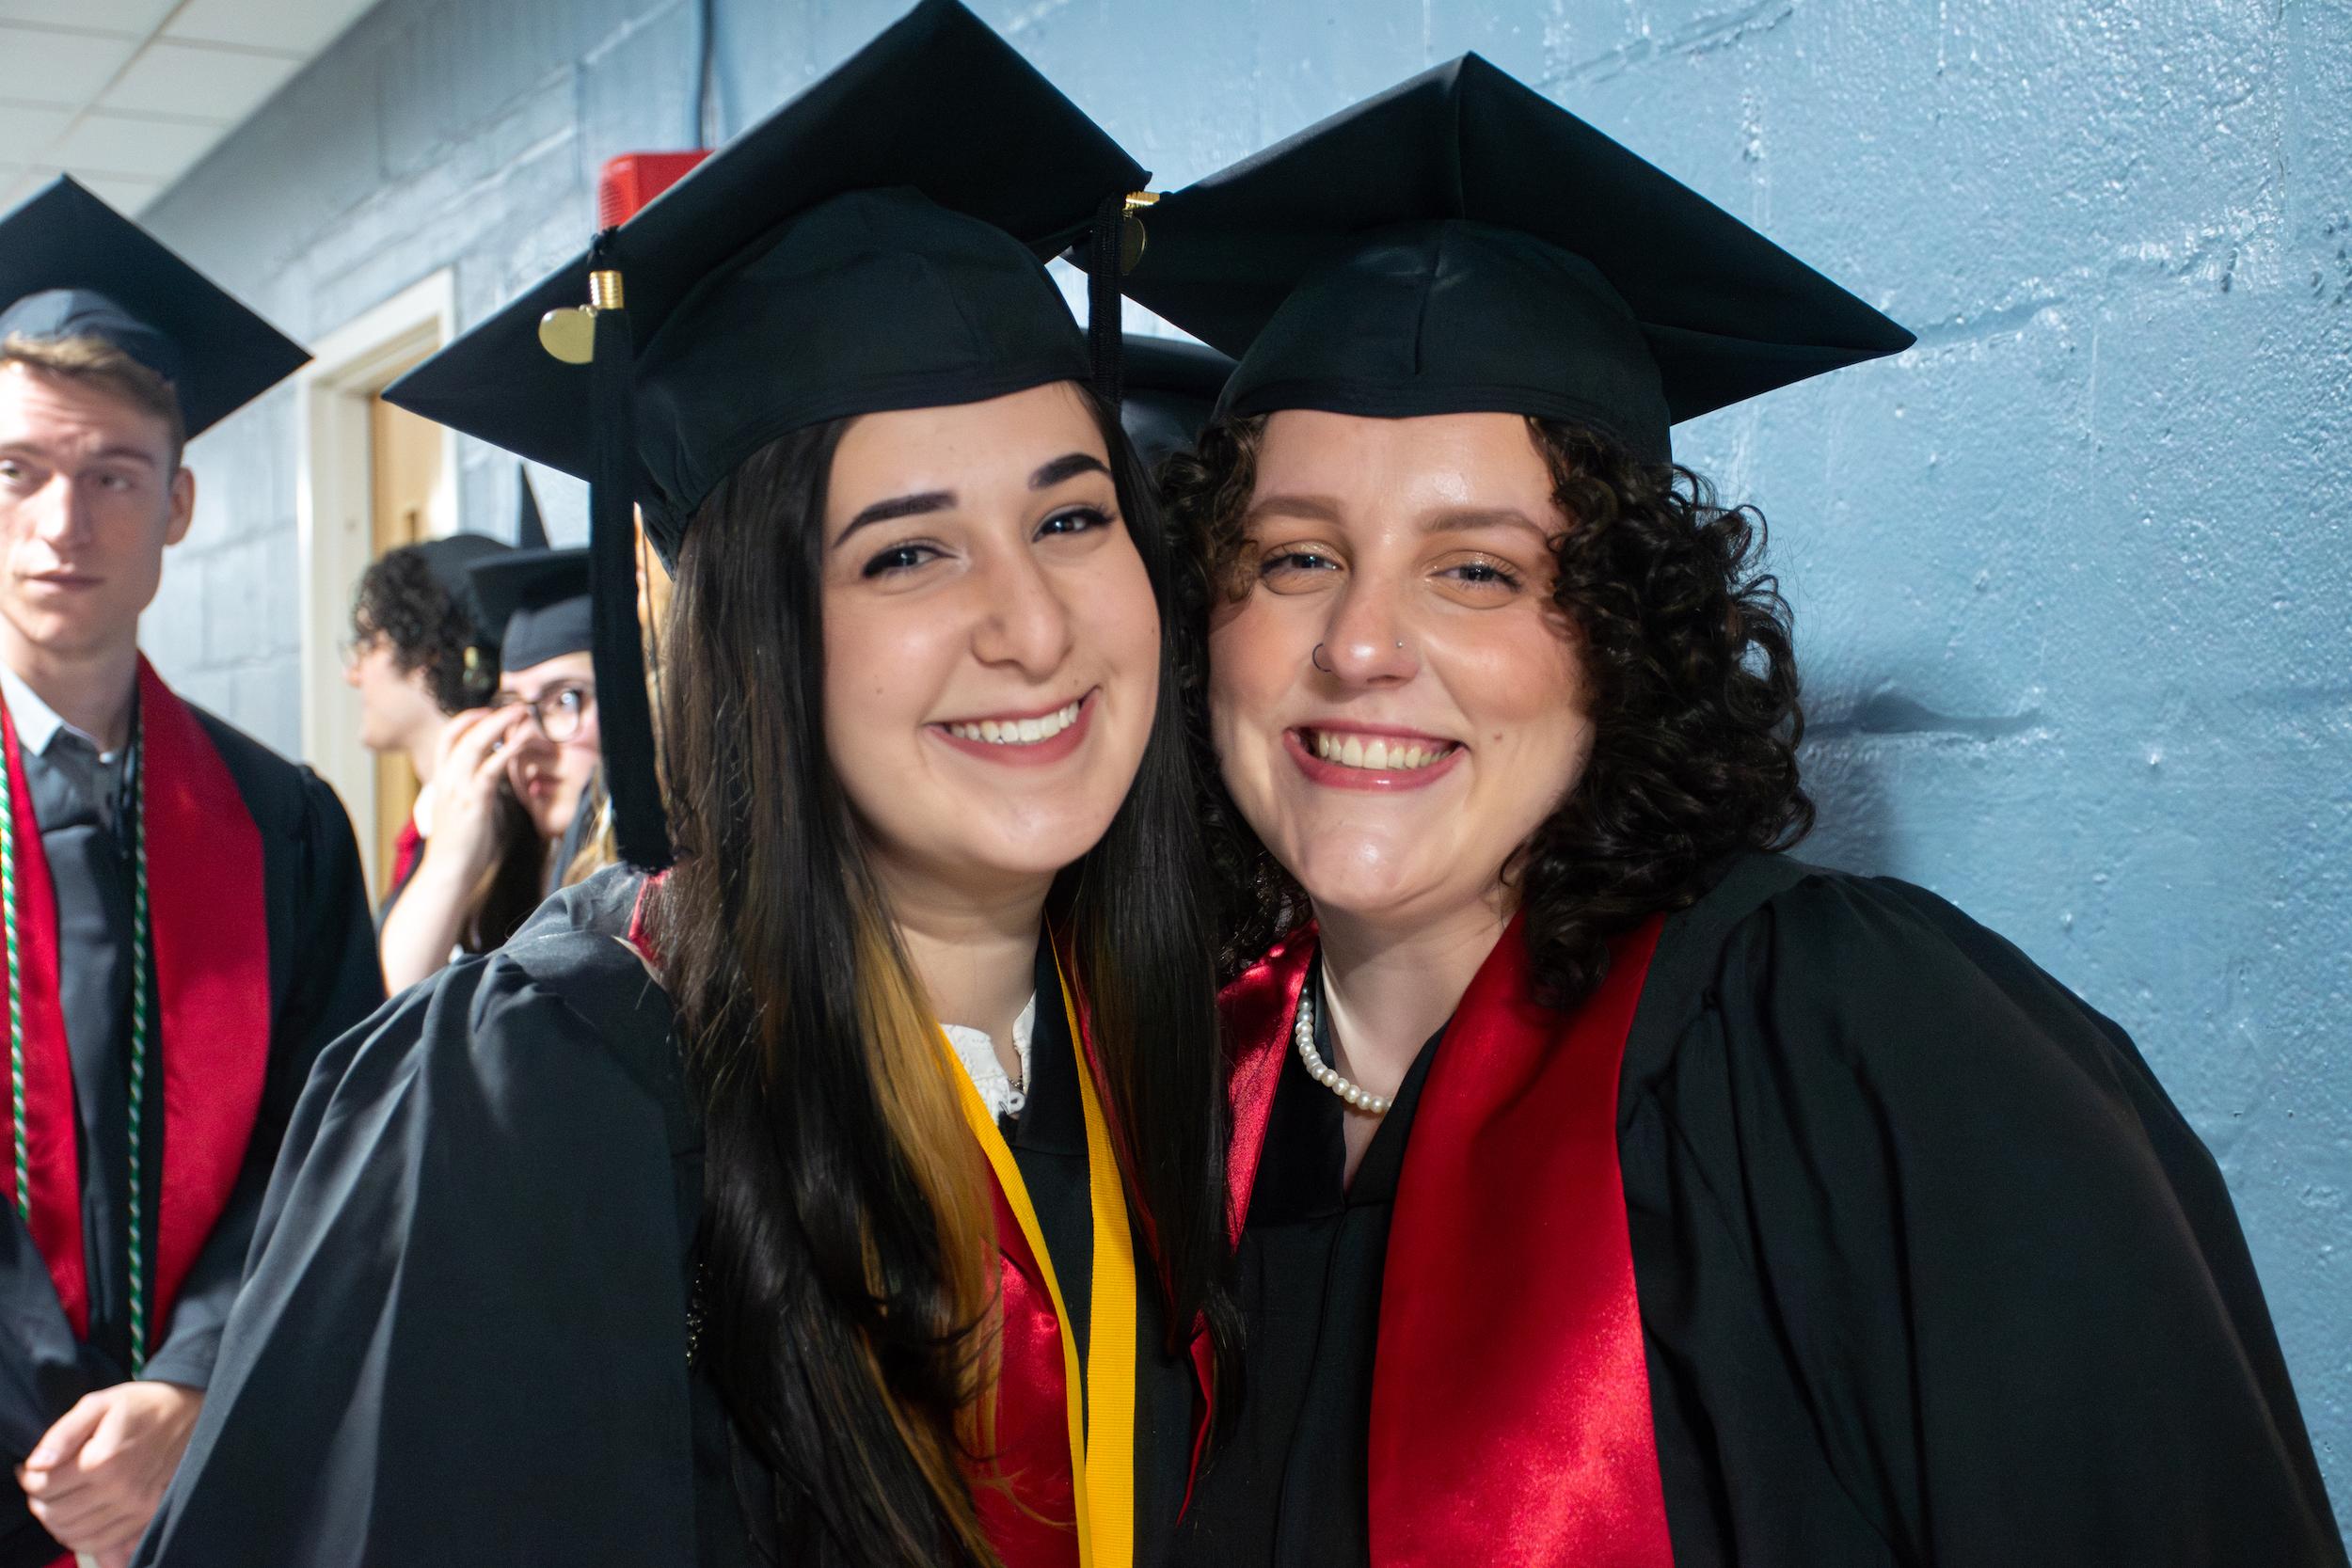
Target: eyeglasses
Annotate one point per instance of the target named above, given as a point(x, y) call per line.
point(358, 646)
point(559, 712)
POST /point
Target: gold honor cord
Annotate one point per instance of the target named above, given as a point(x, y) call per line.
point(1101, 1462)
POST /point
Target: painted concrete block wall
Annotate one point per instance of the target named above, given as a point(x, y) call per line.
point(2072, 577)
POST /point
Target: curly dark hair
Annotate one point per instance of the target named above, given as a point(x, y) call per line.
point(1690, 672)
point(401, 600)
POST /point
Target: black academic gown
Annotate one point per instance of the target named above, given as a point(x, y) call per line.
point(323, 978)
point(463, 1336)
point(1929, 1271)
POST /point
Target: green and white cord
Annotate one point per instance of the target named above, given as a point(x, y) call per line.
point(138, 1037)
point(16, 1006)
point(138, 1061)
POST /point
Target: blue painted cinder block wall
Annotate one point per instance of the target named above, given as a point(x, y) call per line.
point(2072, 577)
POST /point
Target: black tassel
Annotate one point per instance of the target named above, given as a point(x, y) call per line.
point(623, 715)
point(1102, 299)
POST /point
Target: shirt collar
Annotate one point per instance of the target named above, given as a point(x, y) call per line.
point(977, 1052)
point(38, 724)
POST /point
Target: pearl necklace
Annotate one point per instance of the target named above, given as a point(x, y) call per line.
point(1303, 1035)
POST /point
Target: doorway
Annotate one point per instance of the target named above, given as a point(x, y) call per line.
point(404, 457)
point(374, 478)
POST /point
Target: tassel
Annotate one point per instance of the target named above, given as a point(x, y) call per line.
point(623, 715)
point(1102, 298)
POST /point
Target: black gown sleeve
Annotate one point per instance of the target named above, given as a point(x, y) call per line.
point(337, 981)
point(462, 1337)
point(44, 1372)
point(1935, 1273)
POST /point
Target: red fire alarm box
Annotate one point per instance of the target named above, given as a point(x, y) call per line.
point(633, 178)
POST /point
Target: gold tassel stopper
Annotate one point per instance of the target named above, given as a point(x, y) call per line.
point(1131, 238)
point(570, 333)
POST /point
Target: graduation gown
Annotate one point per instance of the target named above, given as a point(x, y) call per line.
point(320, 975)
point(464, 1335)
point(1911, 1261)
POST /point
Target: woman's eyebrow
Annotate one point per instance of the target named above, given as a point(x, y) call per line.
point(1462, 518)
point(581, 684)
point(1320, 509)
point(1068, 466)
point(897, 506)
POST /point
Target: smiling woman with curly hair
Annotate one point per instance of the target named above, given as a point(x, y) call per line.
point(1702, 1207)
point(1689, 675)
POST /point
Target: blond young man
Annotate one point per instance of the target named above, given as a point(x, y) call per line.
point(184, 915)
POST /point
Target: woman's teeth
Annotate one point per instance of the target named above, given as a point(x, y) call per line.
point(1377, 756)
point(1019, 732)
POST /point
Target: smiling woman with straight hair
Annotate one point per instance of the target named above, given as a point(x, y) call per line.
point(851, 1192)
point(1620, 1192)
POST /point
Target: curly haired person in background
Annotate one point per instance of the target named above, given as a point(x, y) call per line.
point(426, 666)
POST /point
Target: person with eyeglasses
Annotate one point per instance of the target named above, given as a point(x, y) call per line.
point(511, 776)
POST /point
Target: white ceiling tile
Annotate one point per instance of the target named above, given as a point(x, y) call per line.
point(147, 148)
point(69, 68)
point(124, 196)
point(25, 132)
point(291, 26)
point(221, 84)
point(137, 17)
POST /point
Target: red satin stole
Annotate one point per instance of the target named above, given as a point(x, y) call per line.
point(1024, 1496)
point(406, 848)
point(1510, 1404)
point(1025, 1500)
point(211, 1032)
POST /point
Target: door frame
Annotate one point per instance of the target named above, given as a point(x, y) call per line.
point(334, 501)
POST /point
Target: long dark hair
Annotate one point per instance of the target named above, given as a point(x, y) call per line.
point(516, 883)
point(1690, 670)
point(848, 1240)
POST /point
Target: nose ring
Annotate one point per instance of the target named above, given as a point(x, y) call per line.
point(1315, 658)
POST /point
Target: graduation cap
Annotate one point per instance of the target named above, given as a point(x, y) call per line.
point(70, 266)
point(535, 604)
point(1170, 389)
point(531, 530)
point(451, 560)
point(1460, 243)
point(875, 243)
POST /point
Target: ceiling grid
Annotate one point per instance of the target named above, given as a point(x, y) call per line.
point(126, 95)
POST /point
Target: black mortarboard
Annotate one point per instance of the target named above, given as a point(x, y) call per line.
point(875, 243)
point(531, 530)
point(1170, 389)
point(451, 560)
point(1460, 243)
point(70, 266)
point(534, 605)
